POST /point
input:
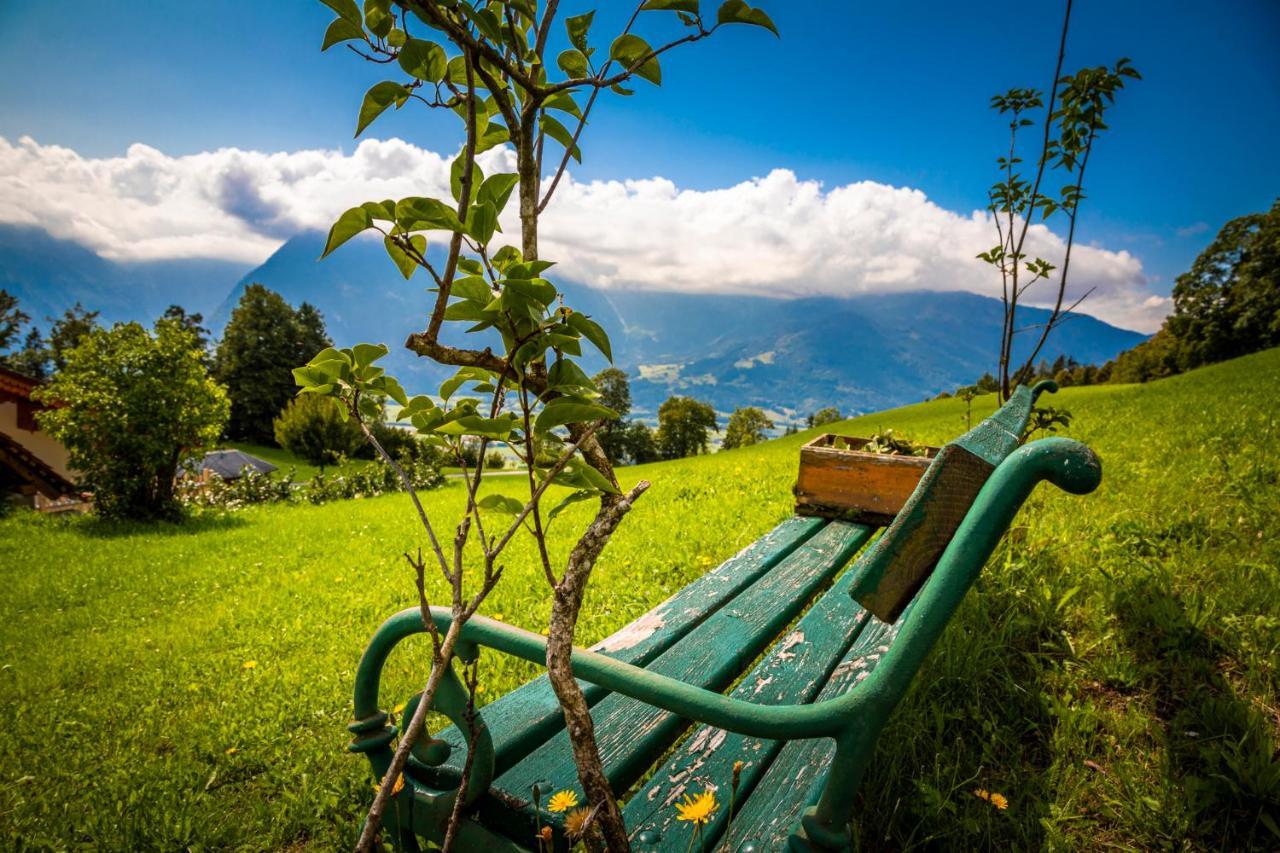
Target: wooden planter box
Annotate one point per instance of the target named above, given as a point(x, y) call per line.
point(838, 480)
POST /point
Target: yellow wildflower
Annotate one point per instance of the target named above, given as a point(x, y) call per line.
point(996, 799)
point(249, 664)
point(545, 833)
point(562, 801)
point(697, 809)
point(575, 822)
point(395, 789)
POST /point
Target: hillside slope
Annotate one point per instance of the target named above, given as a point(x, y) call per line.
point(1112, 674)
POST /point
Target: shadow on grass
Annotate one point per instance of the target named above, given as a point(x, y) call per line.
point(1220, 754)
point(976, 718)
point(192, 525)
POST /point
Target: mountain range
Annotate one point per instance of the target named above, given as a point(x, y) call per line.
point(788, 356)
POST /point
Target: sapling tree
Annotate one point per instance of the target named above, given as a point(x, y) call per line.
point(1071, 124)
point(520, 384)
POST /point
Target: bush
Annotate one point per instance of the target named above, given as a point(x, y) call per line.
point(495, 461)
point(313, 428)
point(256, 488)
point(128, 406)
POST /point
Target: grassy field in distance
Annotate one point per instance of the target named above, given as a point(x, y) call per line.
point(1113, 674)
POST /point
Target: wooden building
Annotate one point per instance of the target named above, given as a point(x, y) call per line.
point(33, 463)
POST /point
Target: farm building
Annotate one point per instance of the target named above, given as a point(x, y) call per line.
point(33, 464)
point(227, 464)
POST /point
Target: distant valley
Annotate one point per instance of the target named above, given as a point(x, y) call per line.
point(790, 357)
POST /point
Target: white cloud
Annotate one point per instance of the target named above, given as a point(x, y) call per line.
point(748, 363)
point(775, 236)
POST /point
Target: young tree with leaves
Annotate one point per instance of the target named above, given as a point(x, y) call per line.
point(1072, 123)
point(488, 64)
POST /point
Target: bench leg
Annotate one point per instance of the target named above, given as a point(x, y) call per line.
point(825, 826)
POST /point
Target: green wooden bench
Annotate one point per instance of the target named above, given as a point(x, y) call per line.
point(825, 672)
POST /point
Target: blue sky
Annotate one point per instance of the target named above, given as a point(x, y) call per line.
point(889, 92)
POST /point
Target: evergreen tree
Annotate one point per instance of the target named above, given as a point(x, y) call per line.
point(265, 339)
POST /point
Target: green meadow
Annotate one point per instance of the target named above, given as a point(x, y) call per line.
point(1113, 675)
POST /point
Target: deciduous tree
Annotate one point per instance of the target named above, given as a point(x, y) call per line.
point(683, 427)
point(130, 405)
point(747, 426)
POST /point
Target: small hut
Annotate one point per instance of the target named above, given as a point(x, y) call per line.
point(229, 465)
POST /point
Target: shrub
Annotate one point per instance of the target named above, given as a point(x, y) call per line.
point(495, 461)
point(314, 429)
point(128, 406)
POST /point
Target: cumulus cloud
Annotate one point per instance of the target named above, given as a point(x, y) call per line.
point(775, 235)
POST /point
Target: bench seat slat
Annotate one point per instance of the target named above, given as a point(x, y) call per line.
point(790, 785)
point(793, 673)
point(530, 715)
point(632, 734)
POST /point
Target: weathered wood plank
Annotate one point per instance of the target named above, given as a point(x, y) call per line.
point(529, 715)
point(792, 782)
point(631, 734)
point(794, 672)
point(897, 566)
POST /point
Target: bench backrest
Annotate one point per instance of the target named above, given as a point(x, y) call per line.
point(898, 564)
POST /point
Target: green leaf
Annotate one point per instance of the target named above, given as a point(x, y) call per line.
point(406, 264)
point(738, 12)
point(366, 354)
point(496, 189)
point(426, 214)
point(596, 479)
point(376, 101)
point(473, 287)
point(572, 62)
point(565, 375)
point(339, 31)
point(557, 131)
point(482, 219)
point(349, 224)
point(471, 266)
point(501, 503)
point(578, 27)
point(690, 6)
point(465, 310)
point(495, 134)
point(570, 500)
point(347, 10)
point(570, 410)
point(390, 386)
point(424, 59)
point(592, 331)
point(537, 289)
point(622, 90)
point(564, 102)
point(629, 49)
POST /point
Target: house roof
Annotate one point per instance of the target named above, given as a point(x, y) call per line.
point(228, 464)
point(15, 384)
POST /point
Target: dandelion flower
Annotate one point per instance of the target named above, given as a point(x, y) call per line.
point(999, 801)
point(395, 789)
point(575, 822)
point(562, 801)
point(545, 834)
point(697, 809)
point(982, 793)
point(249, 664)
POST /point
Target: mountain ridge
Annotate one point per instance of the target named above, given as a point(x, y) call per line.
point(860, 352)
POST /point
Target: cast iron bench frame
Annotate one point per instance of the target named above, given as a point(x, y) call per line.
point(833, 721)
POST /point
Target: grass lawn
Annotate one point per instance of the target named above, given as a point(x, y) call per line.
point(284, 460)
point(1113, 674)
